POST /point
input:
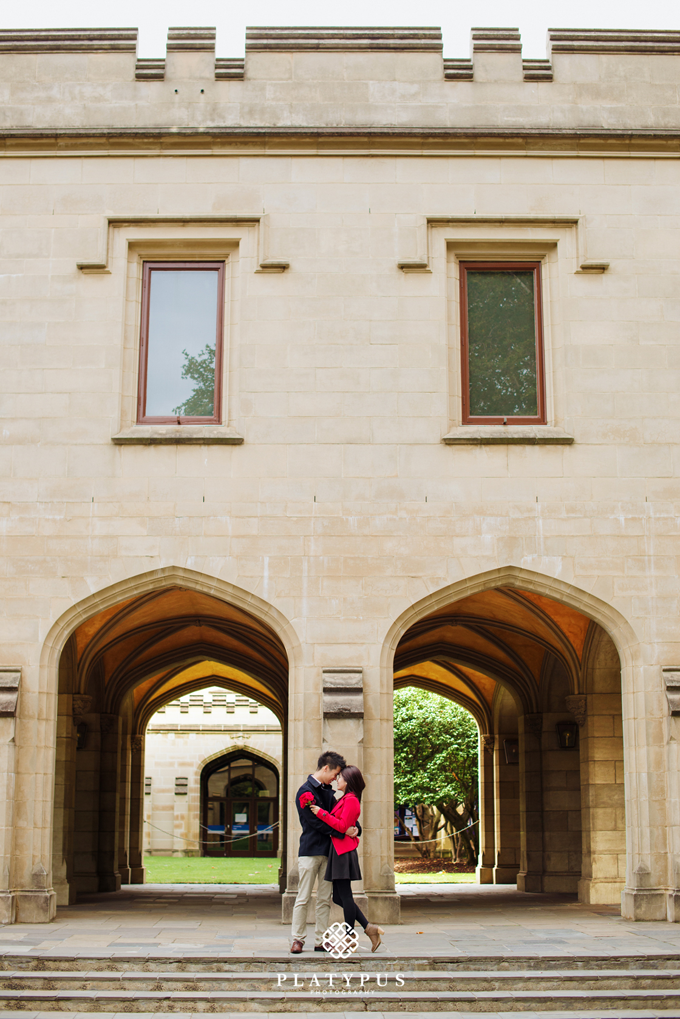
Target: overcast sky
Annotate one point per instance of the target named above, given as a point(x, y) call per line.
point(152, 17)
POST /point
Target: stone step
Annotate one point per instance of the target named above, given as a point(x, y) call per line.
point(333, 980)
point(575, 1002)
point(382, 961)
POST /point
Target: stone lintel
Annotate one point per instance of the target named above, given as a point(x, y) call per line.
point(67, 40)
point(605, 40)
point(340, 38)
point(146, 69)
point(10, 679)
point(493, 40)
point(343, 693)
point(458, 69)
point(168, 435)
point(671, 676)
point(507, 435)
point(191, 39)
point(229, 68)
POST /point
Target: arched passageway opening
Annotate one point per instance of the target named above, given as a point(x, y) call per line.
point(543, 682)
point(117, 669)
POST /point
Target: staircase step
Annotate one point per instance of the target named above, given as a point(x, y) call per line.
point(630, 987)
point(439, 982)
point(382, 961)
point(403, 1001)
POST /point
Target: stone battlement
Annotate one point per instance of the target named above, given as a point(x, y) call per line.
point(331, 80)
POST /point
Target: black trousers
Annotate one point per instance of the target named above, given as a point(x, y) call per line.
point(342, 896)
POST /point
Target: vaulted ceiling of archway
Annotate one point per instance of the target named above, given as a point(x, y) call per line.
point(159, 690)
point(177, 637)
point(499, 636)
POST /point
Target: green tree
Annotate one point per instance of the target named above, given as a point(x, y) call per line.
point(436, 765)
point(502, 344)
point(201, 370)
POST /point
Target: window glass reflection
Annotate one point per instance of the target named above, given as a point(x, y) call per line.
point(182, 333)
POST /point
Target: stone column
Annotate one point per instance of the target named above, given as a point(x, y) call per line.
point(69, 716)
point(136, 857)
point(109, 776)
point(377, 814)
point(530, 876)
point(598, 714)
point(124, 812)
point(343, 730)
point(487, 849)
point(9, 696)
point(506, 815)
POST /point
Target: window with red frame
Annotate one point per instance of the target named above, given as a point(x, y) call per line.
point(502, 343)
point(180, 351)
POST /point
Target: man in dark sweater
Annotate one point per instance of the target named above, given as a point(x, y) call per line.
point(315, 845)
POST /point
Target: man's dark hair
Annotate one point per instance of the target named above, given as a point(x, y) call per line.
point(333, 760)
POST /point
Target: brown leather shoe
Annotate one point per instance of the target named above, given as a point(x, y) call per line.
point(296, 947)
point(374, 932)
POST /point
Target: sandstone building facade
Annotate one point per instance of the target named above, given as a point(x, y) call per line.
point(200, 754)
point(342, 367)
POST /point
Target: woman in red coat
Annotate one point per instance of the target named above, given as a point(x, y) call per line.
point(343, 862)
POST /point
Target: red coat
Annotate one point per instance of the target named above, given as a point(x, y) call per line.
point(344, 815)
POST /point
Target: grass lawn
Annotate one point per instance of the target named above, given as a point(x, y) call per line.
point(435, 879)
point(207, 870)
point(210, 870)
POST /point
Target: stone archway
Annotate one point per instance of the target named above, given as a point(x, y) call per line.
point(534, 655)
point(126, 653)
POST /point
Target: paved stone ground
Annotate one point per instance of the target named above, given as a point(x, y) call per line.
point(244, 920)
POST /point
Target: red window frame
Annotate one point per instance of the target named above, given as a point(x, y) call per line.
point(468, 419)
point(149, 267)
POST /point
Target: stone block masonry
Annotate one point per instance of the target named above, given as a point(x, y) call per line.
point(341, 511)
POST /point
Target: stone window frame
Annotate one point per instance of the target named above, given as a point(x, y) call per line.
point(130, 245)
point(553, 245)
point(150, 266)
point(475, 265)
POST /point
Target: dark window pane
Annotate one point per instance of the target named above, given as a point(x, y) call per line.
point(265, 836)
point(182, 333)
point(502, 344)
point(240, 824)
point(266, 780)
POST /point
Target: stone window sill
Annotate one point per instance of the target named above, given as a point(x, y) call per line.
point(167, 435)
point(507, 435)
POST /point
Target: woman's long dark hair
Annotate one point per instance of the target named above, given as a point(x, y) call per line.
point(354, 779)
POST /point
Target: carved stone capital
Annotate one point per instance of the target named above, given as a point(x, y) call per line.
point(136, 744)
point(577, 704)
point(81, 704)
point(10, 680)
point(488, 742)
point(671, 676)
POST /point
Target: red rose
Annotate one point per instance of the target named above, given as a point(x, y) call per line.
point(306, 799)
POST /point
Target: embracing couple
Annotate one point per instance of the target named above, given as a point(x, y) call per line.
point(328, 849)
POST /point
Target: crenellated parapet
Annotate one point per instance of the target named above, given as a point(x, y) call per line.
point(337, 79)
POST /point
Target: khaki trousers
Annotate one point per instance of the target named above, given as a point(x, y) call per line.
point(310, 868)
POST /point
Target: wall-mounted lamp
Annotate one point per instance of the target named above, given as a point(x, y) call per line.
point(567, 734)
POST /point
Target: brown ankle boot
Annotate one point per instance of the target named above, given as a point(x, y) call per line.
point(374, 932)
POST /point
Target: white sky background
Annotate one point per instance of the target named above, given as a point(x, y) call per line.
point(152, 17)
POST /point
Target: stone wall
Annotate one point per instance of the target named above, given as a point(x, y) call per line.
point(341, 498)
